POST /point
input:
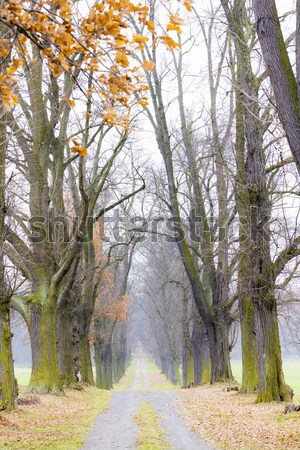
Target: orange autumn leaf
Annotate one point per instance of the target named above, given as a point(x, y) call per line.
point(169, 42)
point(188, 4)
point(70, 101)
point(139, 39)
point(14, 65)
point(77, 148)
point(148, 65)
point(143, 102)
point(151, 26)
point(175, 24)
point(109, 114)
point(121, 58)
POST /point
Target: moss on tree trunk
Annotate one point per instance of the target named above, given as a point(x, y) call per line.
point(67, 347)
point(272, 386)
point(201, 354)
point(103, 361)
point(249, 347)
point(86, 369)
point(44, 377)
point(8, 386)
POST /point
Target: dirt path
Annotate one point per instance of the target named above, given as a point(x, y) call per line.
point(115, 428)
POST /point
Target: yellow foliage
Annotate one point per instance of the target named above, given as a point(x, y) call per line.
point(151, 26)
point(109, 114)
point(121, 58)
point(188, 4)
point(14, 65)
point(139, 39)
point(9, 99)
point(98, 35)
point(77, 148)
point(148, 65)
point(169, 42)
point(71, 102)
point(143, 102)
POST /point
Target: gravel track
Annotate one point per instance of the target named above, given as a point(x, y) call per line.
point(115, 429)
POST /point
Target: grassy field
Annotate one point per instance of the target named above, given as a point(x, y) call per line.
point(291, 371)
point(23, 375)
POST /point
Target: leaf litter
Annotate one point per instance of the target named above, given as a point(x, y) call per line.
point(233, 421)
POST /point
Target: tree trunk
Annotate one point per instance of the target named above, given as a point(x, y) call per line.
point(119, 353)
point(188, 370)
point(67, 346)
point(249, 346)
point(86, 368)
point(188, 379)
point(8, 383)
point(88, 302)
point(272, 386)
point(219, 351)
point(246, 309)
point(104, 328)
point(201, 353)
point(103, 361)
point(44, 377)
point(174, 370)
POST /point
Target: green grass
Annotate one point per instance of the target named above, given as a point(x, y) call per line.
point(292, 375)
point(144, 375)
point(291, 370)
point(22, 374)
point(127, 380)
point(150, 436)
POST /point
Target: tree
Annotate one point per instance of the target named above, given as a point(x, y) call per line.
point(211, 298)
point(159, 302)
point(58, 53)
point(257, 275)
point(7, 379)
point(111, 308)
point(285, 82)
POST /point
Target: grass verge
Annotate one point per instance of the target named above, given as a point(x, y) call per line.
point(150, 436)
point(56, 423)
point(233, 421)
point(291, 369)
